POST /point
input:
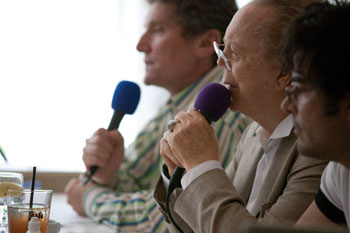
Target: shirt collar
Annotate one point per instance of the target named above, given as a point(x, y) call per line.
point(284, 128)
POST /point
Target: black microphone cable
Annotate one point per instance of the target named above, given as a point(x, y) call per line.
point(175, 181)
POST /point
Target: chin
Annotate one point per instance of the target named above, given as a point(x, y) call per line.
point(233, 107)
point(148, 80)
point(309, 150)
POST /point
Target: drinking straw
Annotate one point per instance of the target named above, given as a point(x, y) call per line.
point(32, 188)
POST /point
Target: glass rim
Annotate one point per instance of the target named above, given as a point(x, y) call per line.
point(11, 173)
point(29, 191)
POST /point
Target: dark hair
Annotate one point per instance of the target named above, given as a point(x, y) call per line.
point(319, 40)
point(271, 30)
point(198, 16)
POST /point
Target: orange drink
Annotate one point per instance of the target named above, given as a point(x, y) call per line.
point(20, 212)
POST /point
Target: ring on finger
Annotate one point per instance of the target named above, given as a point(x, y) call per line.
point(171, 124)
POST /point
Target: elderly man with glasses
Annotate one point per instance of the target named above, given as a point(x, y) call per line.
point(268, 181)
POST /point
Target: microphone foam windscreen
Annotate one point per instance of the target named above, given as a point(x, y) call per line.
point(126, 97)
point(213, 100)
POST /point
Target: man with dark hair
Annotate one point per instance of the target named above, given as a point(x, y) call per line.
point(268, 181)
point(197, 16)
point(317, 50)
point(180, 58)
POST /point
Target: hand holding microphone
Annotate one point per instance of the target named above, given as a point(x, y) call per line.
point(107, 148)
point(190, 139)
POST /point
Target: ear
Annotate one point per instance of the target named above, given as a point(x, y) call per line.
point(283, 80)
point(204, 42)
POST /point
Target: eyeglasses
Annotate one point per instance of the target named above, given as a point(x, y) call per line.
point(221, 55)
point(293, 91)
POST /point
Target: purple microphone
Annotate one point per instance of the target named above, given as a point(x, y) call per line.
point(212, 101)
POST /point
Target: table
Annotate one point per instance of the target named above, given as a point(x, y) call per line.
point(70, 221)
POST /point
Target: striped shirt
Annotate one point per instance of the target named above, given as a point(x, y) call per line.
point(130, 207)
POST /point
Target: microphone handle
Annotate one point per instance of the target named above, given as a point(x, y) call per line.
point(114, 124)
point(115, 121)
point(175, 179)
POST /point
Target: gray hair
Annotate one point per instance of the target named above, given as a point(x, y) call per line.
point(271, 30)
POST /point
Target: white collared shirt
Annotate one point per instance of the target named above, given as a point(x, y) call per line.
point(282, 130)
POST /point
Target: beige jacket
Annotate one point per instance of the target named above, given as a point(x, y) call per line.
point(212, 204)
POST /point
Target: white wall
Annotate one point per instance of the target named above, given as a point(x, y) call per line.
point(60, 61)
point(241, 3)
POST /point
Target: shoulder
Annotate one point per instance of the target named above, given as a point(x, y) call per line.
point(251, 129)
point(334, 174)
point(250, 137)
point(304, 166)
point(335, 180)
point(249, 145)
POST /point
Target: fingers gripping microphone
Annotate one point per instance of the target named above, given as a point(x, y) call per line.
point(212, 101)
point(125, 100)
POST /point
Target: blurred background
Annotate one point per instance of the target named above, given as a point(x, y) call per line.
point(60, 61)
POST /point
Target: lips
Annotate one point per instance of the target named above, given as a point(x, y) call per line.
point(228, 83)
point(230, 87)
point(148, 60)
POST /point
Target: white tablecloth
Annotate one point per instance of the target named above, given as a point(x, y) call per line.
point(70, 221)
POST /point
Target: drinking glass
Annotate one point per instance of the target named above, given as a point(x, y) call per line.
point(20, 211)
point(8, 180)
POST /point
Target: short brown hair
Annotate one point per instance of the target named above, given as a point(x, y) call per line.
point(198, 16)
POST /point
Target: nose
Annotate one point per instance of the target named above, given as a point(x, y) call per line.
point(288, 106)
point(143, 44)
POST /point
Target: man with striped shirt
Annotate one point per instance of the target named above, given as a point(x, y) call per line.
point(180, 58)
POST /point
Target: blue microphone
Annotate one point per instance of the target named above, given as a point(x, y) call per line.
point(125, 100)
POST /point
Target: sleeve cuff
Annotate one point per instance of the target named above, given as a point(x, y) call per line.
point(198, 170)
point(328, 209)
point(165, 176)
point(91, 195)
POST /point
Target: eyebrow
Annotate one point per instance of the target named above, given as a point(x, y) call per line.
point(152, 23)
point(155, 22)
